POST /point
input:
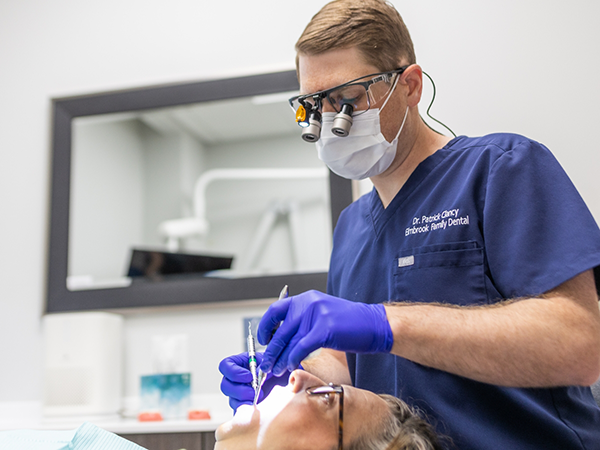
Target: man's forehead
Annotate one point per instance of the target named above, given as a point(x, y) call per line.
point(330, 69)
point(311, 84)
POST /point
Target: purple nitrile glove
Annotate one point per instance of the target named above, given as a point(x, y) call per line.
point(237, 380)
point(313, 320)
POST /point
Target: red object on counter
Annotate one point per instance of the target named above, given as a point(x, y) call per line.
point(198, 414)
point(149, 416)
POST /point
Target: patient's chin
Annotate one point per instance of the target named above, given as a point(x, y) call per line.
point(248, 419)
point(245, 419)
point(244, 414)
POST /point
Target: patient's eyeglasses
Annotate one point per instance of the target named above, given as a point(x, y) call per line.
point(327, 392)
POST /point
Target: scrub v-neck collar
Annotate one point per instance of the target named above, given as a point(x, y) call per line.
point(380, 215)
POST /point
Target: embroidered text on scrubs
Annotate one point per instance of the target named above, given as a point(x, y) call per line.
point(438, 221)
point(436, 217)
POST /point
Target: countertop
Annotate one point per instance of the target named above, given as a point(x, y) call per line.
point(28, 415)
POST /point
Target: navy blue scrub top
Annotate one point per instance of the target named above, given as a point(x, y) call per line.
point(481, 220)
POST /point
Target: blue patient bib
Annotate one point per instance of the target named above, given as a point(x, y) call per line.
point(86, 437)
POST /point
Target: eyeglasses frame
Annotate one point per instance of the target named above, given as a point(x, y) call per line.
point(335, 389)
point(320, 95)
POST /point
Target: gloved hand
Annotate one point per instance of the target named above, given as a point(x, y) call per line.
point(313, 320)
point(237, 380)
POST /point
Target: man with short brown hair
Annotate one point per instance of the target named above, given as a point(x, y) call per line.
point(464, 282)
point(373, 27)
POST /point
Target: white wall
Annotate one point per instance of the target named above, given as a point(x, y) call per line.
point(228, 233)
point(107, 192)
point(212, 334)
point(127, 179)
point(526, 66)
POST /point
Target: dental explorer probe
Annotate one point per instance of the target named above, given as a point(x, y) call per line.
point(261, 379)
point(252, 358)
point(261, 375)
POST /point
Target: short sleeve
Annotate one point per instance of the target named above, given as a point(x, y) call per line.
point(537, 229)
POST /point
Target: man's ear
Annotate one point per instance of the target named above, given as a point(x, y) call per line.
point(412, 78)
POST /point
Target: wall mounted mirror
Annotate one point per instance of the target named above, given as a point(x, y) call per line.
point(189, 193)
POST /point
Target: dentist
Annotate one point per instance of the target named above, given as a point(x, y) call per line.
point(489, 321)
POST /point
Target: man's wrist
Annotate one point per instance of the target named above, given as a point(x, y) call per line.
point(384, 334)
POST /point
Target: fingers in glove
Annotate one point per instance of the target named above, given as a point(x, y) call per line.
point(236, 368)
point(237, 393)
point(275, 350)
point(271, 320)
point(302, 349)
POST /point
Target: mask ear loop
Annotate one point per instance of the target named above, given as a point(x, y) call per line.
point(385, 103)
point(391, 92)
point(402, 126)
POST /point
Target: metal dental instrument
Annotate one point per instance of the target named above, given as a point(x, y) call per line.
point(261, 379)
point(261, 375)
point(252, 358)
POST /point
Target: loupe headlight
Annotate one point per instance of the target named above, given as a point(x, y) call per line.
point(311, 132)
point(343, 121)
point(309, 118)
point(301, 115)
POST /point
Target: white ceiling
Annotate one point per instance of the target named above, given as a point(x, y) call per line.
point(227, 120)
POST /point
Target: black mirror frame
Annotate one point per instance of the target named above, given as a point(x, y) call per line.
point(167, 292)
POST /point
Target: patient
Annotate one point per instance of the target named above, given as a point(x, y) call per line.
point(308, 415)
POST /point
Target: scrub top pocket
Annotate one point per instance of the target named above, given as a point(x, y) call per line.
point(445, 273)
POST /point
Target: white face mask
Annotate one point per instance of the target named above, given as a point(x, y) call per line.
point(364, 152)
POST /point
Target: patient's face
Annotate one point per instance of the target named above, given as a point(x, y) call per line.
point(290, 419)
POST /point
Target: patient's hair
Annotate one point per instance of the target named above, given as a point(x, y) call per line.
point(405, 429)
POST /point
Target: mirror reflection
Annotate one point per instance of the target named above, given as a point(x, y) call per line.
point(220, 189)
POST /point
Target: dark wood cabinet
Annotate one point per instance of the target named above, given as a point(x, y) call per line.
point(174, 441)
